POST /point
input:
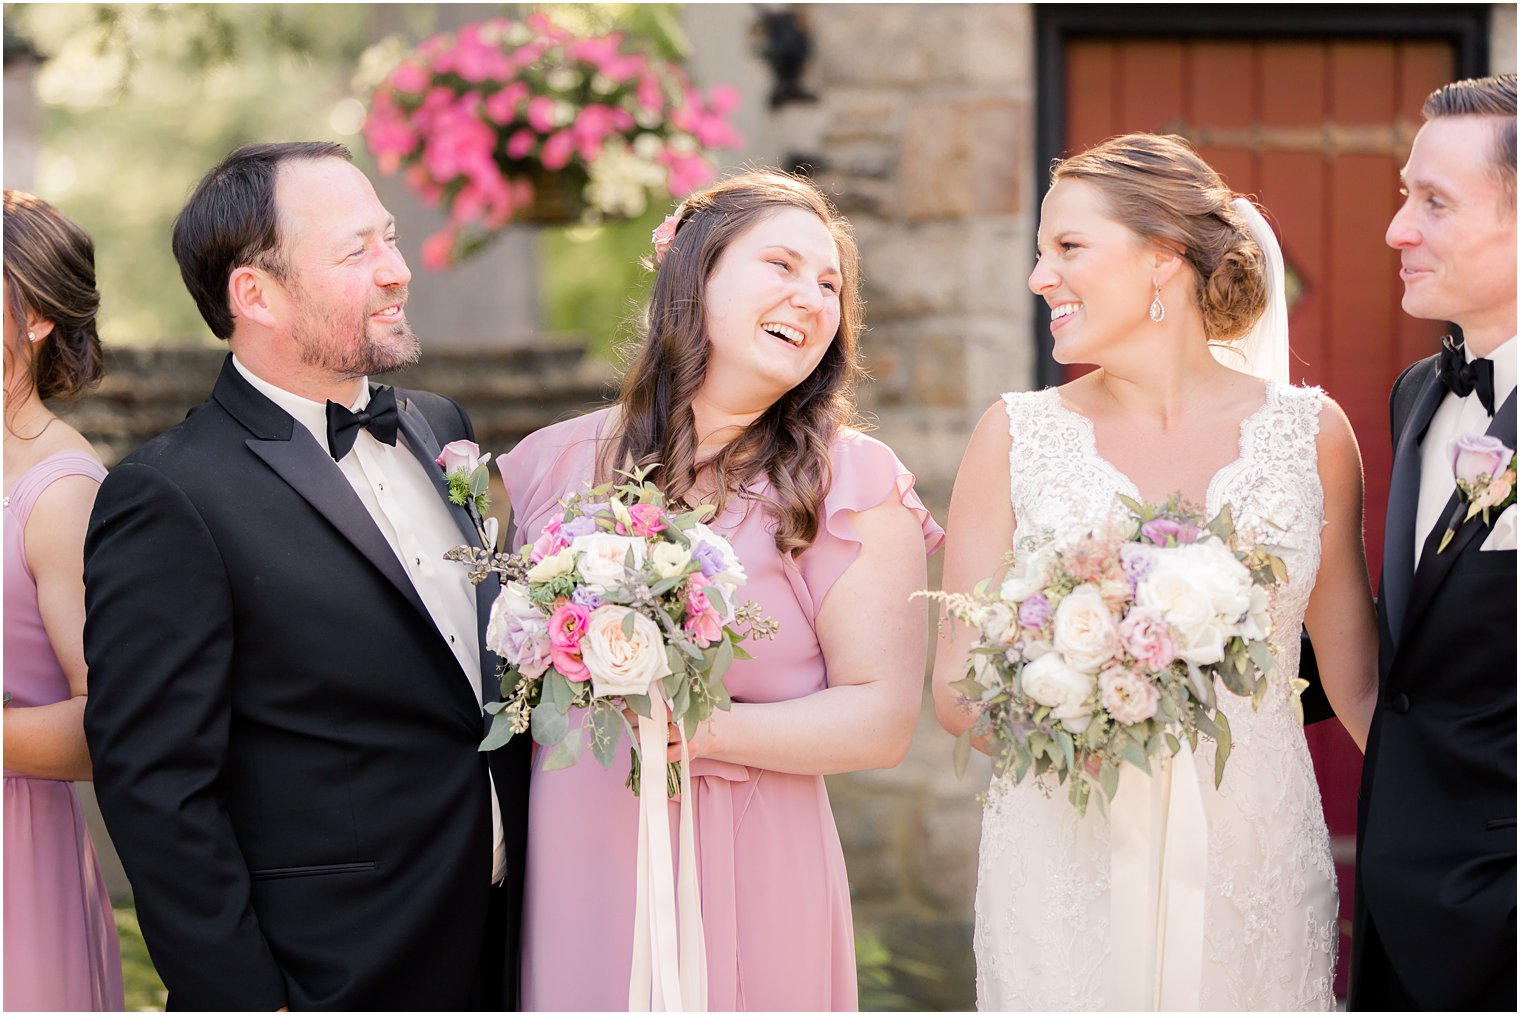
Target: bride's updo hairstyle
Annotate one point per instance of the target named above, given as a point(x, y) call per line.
point(789, 443)
point(1158, 187)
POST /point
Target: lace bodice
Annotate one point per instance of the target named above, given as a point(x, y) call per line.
point(1270, 915)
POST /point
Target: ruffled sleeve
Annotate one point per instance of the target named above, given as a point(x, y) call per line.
point(545, 467)
point(865, 473)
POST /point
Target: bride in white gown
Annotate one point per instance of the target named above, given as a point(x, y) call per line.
point(1145, 261)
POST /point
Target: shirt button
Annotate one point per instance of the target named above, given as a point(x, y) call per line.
point(451, 639)
point(419, 561)
point(382, 487)
point(1399, 703)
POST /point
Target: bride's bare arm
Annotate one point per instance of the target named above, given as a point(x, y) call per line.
point(1341, 620)
point(979, 532)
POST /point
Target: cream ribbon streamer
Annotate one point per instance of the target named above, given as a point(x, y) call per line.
point(669, 949)
point(1158, 842)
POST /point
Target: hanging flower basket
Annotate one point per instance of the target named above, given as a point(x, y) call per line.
point(508, 121)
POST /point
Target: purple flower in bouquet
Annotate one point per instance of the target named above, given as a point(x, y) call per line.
point(1034, 612)
point(1137, 561)
point(583, 596)
point(1161, 531)
point(708, 557)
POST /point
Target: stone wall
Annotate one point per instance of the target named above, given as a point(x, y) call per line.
point(508, 392)
point(927, 128)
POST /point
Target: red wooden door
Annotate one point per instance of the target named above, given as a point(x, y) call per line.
point(1316, 131)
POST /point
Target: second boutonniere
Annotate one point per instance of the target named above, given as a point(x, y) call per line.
point(468, 479)
point(1485, 471)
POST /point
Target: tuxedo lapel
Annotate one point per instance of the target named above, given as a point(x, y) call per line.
point(1403, 501)
point(306, 466)
point(420, 439)
point(1435, 566)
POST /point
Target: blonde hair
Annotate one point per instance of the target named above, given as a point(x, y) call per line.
point(1158, 187)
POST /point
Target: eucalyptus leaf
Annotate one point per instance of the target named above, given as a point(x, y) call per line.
point(1222, 749)
point(627, 624)
point(1108, 778)
point(969, 688)
point(640, 704)
point(607, 728)
point(721, 698)
point(499, 733)
point(664, 585)
point(962, 754)
point(723, 658)
point(1201, 686)
point(1068, 748)
point(1261, 655)
point(565, 753)
point(557, 690)
point(1134, 754)
point(549, 724)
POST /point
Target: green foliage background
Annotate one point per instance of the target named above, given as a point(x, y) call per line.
point(138, 100)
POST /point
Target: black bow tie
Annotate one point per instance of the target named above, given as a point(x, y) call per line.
point(1463, 378)
point(379, 418)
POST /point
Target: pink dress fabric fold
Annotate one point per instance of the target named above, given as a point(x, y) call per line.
point(775, 895)
point(61, 951)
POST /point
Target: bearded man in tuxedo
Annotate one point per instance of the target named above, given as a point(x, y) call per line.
point(1435, 873)
point(286, 677)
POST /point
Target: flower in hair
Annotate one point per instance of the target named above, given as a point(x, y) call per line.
point(665, 234)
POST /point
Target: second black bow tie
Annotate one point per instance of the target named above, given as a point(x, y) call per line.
point(379, 417)
point(1463, 378)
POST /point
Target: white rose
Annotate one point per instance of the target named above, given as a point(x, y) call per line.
point(732, 572)
point(602, 557)
point(669, 559)
point(1030, 574)
point(1084, 630)
point(552, 567)
point(1172, 588)
point(1228, 582)
point(1000, 624)
point(621, 663)
point(1067, 691)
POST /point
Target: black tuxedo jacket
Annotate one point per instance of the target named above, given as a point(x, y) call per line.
point(285, 747)
point(1435, 874)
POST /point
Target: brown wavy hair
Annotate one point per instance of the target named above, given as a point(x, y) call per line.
point(789, 443)
point(1157, 186)
point(50, 274)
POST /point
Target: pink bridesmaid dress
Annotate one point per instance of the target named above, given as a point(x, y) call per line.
point(775, 895)
point(61, 952)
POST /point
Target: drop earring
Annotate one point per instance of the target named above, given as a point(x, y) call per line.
point(1158, 309)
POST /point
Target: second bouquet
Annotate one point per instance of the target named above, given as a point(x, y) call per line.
point(618, 603)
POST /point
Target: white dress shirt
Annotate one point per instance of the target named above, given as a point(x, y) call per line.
point(1454, 418)
point(420, 529)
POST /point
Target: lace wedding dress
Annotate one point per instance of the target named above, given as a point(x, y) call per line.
point(1269, 919)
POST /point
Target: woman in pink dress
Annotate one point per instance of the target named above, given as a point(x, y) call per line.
point(741, 395)
point(61, 951)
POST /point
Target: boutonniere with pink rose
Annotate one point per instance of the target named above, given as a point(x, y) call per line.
point(469, 481)
point(1485, 471)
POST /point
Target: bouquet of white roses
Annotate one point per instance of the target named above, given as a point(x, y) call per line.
point(618, 601)
point(1105, 648)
